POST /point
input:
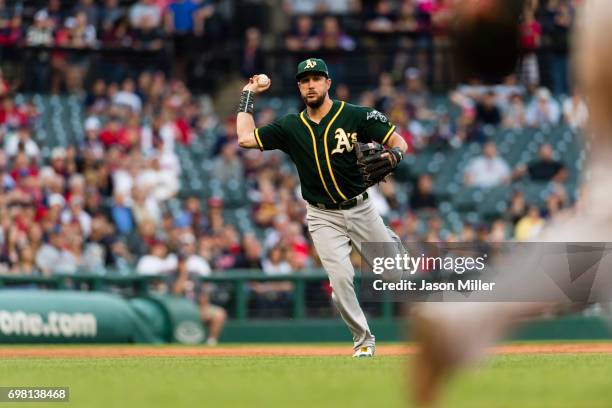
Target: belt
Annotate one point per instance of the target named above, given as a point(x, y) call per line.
point(345, 205)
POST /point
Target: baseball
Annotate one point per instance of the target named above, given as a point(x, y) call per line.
point(263, 80)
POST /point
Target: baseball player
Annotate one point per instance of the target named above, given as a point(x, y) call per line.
point(451, 335)
point(338, 151)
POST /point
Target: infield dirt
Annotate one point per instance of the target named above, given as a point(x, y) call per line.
point(80, 351)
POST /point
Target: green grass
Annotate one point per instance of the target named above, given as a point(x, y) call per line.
point(507, 381)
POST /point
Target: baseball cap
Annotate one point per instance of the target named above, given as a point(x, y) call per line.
point(58, 153)
point(312, 65)
point(56, 199)
point(92, 123)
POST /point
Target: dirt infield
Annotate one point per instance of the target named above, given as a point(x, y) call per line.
point(82, 351)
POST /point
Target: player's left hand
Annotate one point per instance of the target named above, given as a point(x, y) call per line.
point(375, 162)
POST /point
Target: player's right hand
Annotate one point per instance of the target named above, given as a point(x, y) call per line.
point(254, 86)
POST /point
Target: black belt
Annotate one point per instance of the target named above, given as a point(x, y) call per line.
point(345, 205)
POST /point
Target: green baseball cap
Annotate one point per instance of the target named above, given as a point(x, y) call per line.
point(312, 65)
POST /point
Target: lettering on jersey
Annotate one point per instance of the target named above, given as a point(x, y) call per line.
point(376, 115)
point(344, 141)
point(311, 64)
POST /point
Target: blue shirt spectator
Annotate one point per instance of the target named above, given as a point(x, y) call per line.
point(183, 13)
point(122, 215)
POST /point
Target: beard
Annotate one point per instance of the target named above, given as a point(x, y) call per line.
point(316, 104)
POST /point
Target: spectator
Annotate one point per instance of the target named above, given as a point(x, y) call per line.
point(385, 92)
point(546, 168)
point(575, 112)
point(304, 7)
point(382, 19)
point(554, 205)
point(158, 261)
point(212, 316)
point(144, 207)
point(228, 166)
point(196, 264)
point(251, 253)
point(560, 19)
point(542, 110)
point(40, 33)
point(110, 14)
point(21, 140)
point(96, 100)
point(127, 96)
point(303, 37)
point(92, 146)
point(416, 93)
point(487, 111)
point(531, 34)
point(90, 9)
point(530, 225)
point(75, 214)
point(517, 207)
point(145, 14)
point(251, 58)
point(514, 116)
point(273, 298)
point(332, 37)
point(52, 257)
point(122, 215)
point(26, 263)
point(148, 35)
point(422, 197)
point(80, 34)
point(488, 170)
point(54, 12)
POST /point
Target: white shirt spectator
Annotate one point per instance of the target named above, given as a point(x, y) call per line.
point(276, 269)
point(575, 112)
point(488, 170)
point(198, 265)
point(30, 147)
point(168, 132)
point(82, 217)
point(123, 182)
point(298, 7)
point(54, 260)
point(543, 110)
point(129, 99)
point(150, 265)
point(140, 11)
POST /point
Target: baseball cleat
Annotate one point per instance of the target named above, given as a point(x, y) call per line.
point(367, 351)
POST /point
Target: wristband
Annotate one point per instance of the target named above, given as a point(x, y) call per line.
point(247, 102)
point(398, 154)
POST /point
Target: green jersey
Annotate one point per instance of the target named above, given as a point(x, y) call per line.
point(324, 153)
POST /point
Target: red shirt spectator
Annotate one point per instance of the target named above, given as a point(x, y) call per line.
point(114, 134)
point(10, 114)
point(531, 32)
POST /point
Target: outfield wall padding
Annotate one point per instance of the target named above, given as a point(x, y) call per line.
point(334, 330)
point(34, 316)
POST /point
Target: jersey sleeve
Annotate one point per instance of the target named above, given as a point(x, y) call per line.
point(374, 126)
point(271, 136)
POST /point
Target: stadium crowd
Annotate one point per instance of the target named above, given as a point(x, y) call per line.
point(103, 205)
point(180, 29)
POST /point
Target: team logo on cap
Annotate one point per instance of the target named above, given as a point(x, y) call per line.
point(310, 64)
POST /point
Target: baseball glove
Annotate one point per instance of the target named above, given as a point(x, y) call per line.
point(375, 162)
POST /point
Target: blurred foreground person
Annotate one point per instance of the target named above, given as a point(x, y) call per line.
point(452, 335)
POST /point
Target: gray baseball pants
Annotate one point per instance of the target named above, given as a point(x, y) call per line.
point(335, 233)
